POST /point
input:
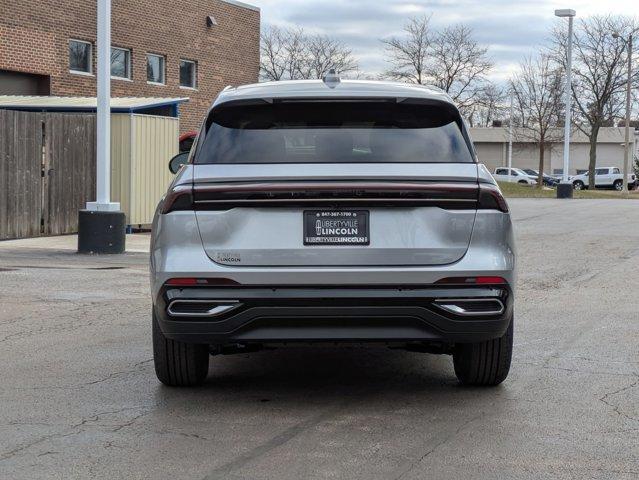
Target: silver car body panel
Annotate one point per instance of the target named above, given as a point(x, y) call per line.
point(273, 237)
point(177, 251)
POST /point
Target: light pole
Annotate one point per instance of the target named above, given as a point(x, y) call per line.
point(510, 140)
point(626, 152)
point(101, 226)
point(564, 189)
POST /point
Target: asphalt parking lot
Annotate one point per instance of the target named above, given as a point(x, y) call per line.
point(79, 398)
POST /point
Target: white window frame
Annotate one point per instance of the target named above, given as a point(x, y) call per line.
point(82, 72)
point(129, 65)
point(163, 58)
point(194, 77)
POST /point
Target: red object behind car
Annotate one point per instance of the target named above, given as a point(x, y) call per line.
point(186, 141)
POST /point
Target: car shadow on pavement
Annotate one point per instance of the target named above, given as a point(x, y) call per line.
point(326, 375)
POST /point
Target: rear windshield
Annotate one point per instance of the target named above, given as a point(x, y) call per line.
point(334, 131)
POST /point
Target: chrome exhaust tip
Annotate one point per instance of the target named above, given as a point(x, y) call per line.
point(201, 308)
point(471, 307)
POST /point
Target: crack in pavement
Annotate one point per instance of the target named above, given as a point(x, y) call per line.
point(282, 438)
point(77, 429)
point(428, 452)
point(617, 408)
point(223, 471)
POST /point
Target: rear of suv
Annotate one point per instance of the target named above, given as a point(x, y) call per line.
point(332, 212)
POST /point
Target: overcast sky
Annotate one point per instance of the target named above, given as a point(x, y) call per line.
point(511, 29)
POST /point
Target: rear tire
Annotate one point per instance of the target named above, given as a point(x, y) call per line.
point(484, 363)
point(178, 364)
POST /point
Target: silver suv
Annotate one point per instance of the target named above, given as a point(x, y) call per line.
point(332, 211)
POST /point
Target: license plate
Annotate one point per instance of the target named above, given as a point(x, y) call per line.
point(336, 227)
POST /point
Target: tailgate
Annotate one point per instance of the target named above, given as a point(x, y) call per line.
point(413, 215)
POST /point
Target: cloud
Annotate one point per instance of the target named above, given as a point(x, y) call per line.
point(511, 30)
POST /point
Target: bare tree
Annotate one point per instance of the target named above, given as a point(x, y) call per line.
point(291, 54)
point(489, 106)
point(599, 76)
point(408, 56)
point(450, 59)
point(323, 53)
point(272, 54)
point(458, 64)
point(283, 53)
point(536, 89)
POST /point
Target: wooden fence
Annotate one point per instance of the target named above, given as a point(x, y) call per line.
point(47, 172)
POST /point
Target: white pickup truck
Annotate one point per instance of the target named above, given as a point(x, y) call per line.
point(605, 177)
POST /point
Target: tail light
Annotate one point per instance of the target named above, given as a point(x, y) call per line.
point(179, 198)
point(491, 198)
point(247, 194)
point(445, 195)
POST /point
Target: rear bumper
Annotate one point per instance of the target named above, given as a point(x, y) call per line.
point(321, 314)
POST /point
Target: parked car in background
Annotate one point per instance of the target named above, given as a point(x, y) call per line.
point(517, 176)
point(331, 215)
point(548, 180)
point(186, 141)
point(605, 177)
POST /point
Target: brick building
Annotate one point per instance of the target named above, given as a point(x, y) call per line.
point(160, 48)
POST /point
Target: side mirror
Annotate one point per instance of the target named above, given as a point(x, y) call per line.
point(177, 161)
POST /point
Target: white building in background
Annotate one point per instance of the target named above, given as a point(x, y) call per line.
point(492, 149)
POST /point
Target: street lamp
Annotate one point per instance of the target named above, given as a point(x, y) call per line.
point(510, 140)
point(101, 225)
point(564, 189)
point(626, 153)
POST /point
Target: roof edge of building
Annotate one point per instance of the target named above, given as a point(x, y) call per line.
point(237, 3)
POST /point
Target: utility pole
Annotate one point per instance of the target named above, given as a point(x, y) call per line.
point(510, 139)
point(626, 152)
point(564, 189)
point(101, 227)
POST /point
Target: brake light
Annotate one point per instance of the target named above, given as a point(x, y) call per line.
point(179, 198)
point(491, 198)
point(489, 280)
point(178, 282)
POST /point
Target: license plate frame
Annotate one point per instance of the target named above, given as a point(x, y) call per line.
point(336, 227)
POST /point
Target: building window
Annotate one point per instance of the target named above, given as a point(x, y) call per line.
point(120, 63)
point(80, 56)
point(188, 74)
point(155, 69)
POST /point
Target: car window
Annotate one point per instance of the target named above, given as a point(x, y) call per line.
point(601, 171)
point(514, 173)
point(500, 171)
point(346, 131)
point(616, 170)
